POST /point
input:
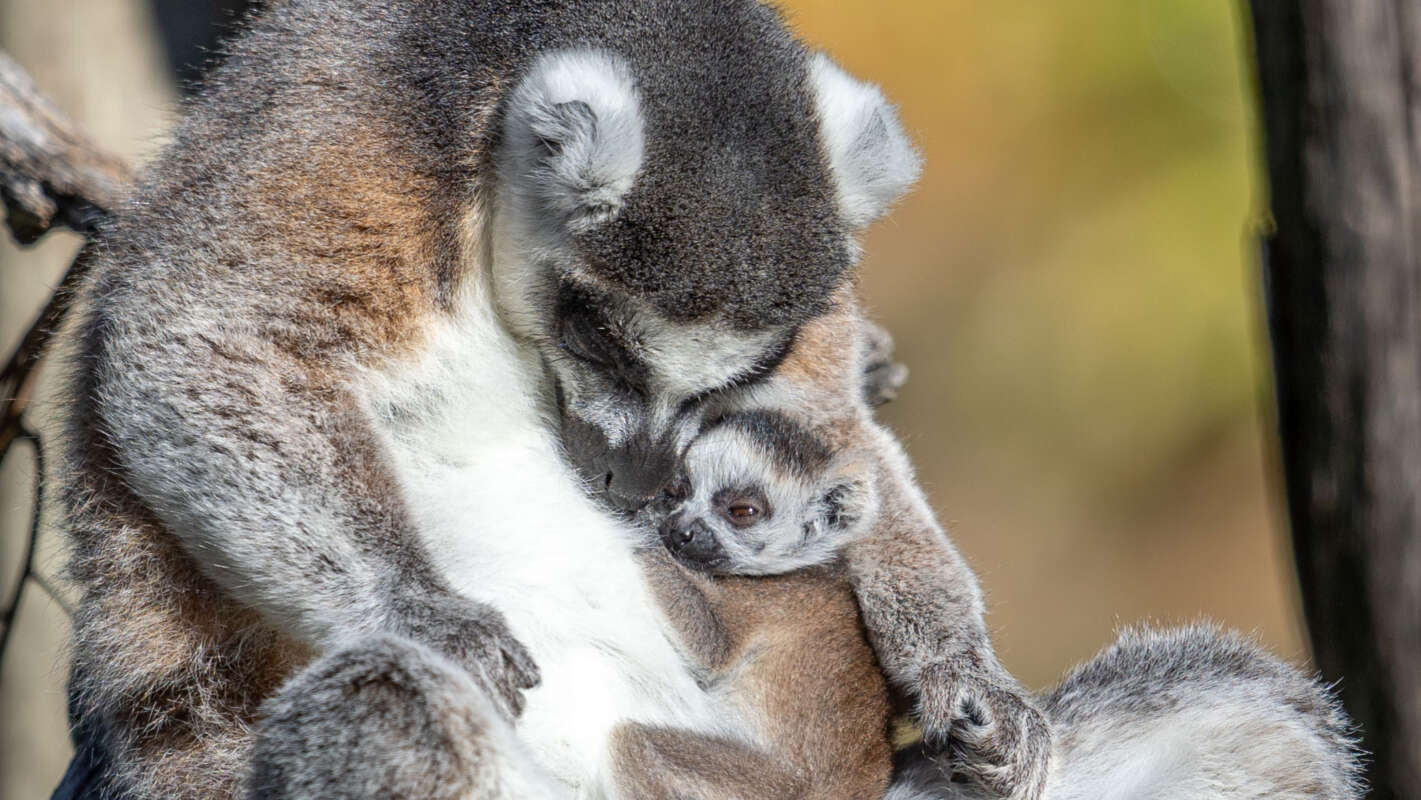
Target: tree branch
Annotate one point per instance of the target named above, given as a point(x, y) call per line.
point(1341, 102)
point(50, 173)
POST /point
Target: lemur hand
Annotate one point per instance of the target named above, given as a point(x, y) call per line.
point(987, 730)
point(882, 376)
point(476, 637)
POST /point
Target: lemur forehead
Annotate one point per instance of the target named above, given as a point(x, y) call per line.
point(733, 210)
point(686, 357)
point(789, 446)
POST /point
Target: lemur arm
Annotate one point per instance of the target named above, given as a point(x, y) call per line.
point(251, 450)
point(687, 600)
point(387, 717)
point(659, 763)
point(924, 613)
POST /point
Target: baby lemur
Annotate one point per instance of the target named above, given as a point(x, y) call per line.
point(761, 495)
point(803, 474)
point(787, 478)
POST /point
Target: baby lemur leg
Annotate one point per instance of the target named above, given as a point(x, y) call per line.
point(923, 609)
point(389, 718)
point(654, 763)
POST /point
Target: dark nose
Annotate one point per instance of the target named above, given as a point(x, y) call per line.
point(629, 475)
point(689, 538)
point(638, 471)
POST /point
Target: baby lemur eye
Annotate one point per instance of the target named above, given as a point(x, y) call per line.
point(743, 512)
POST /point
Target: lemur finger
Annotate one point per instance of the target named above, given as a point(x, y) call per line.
point(883, 382)
point(883, 377)
point(520, 662)
point(1009, 755)
point(507, 698)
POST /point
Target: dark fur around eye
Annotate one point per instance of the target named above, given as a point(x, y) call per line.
point(587, 332)
point(582, 340)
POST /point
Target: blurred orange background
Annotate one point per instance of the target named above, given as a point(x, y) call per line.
point(1073, 286)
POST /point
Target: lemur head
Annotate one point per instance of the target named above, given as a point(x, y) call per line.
point(760, 495)
point(667, 214)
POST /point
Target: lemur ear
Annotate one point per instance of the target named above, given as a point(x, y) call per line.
point(847, 502)
point(872, 158)
point(573, 133)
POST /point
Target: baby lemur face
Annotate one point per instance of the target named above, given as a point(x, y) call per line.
point(760, 495)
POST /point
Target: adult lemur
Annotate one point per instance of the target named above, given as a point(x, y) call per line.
point(402, 263)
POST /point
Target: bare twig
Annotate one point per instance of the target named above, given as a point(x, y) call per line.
point(50, 175)
point(27, 569)
point(17, 377)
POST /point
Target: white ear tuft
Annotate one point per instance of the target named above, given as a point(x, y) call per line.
point(872, 158)
point(574, 136)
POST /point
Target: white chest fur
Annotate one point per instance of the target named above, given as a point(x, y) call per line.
point(507, 522)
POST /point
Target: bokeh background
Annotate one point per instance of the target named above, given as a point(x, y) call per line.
point(1073, 285)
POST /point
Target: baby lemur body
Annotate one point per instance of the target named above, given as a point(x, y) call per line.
point(757, 496)
point(860, 507)
point(788, 655)
point(786, 482)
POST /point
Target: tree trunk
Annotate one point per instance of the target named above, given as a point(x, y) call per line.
point(1341, 101)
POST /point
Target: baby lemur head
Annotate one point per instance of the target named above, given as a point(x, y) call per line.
point(759, 494)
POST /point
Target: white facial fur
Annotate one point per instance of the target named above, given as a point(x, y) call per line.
point(807, 516)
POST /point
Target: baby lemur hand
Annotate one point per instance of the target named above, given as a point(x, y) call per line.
point(883, 377)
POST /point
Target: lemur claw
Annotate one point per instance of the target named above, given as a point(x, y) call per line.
point(476, 637)
point(988, 732)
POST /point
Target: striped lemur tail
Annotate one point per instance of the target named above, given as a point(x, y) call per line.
point(1183, 714)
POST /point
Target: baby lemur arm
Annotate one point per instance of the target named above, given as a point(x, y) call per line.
point(924, 613)
point(686, 600)
point(657, 763)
